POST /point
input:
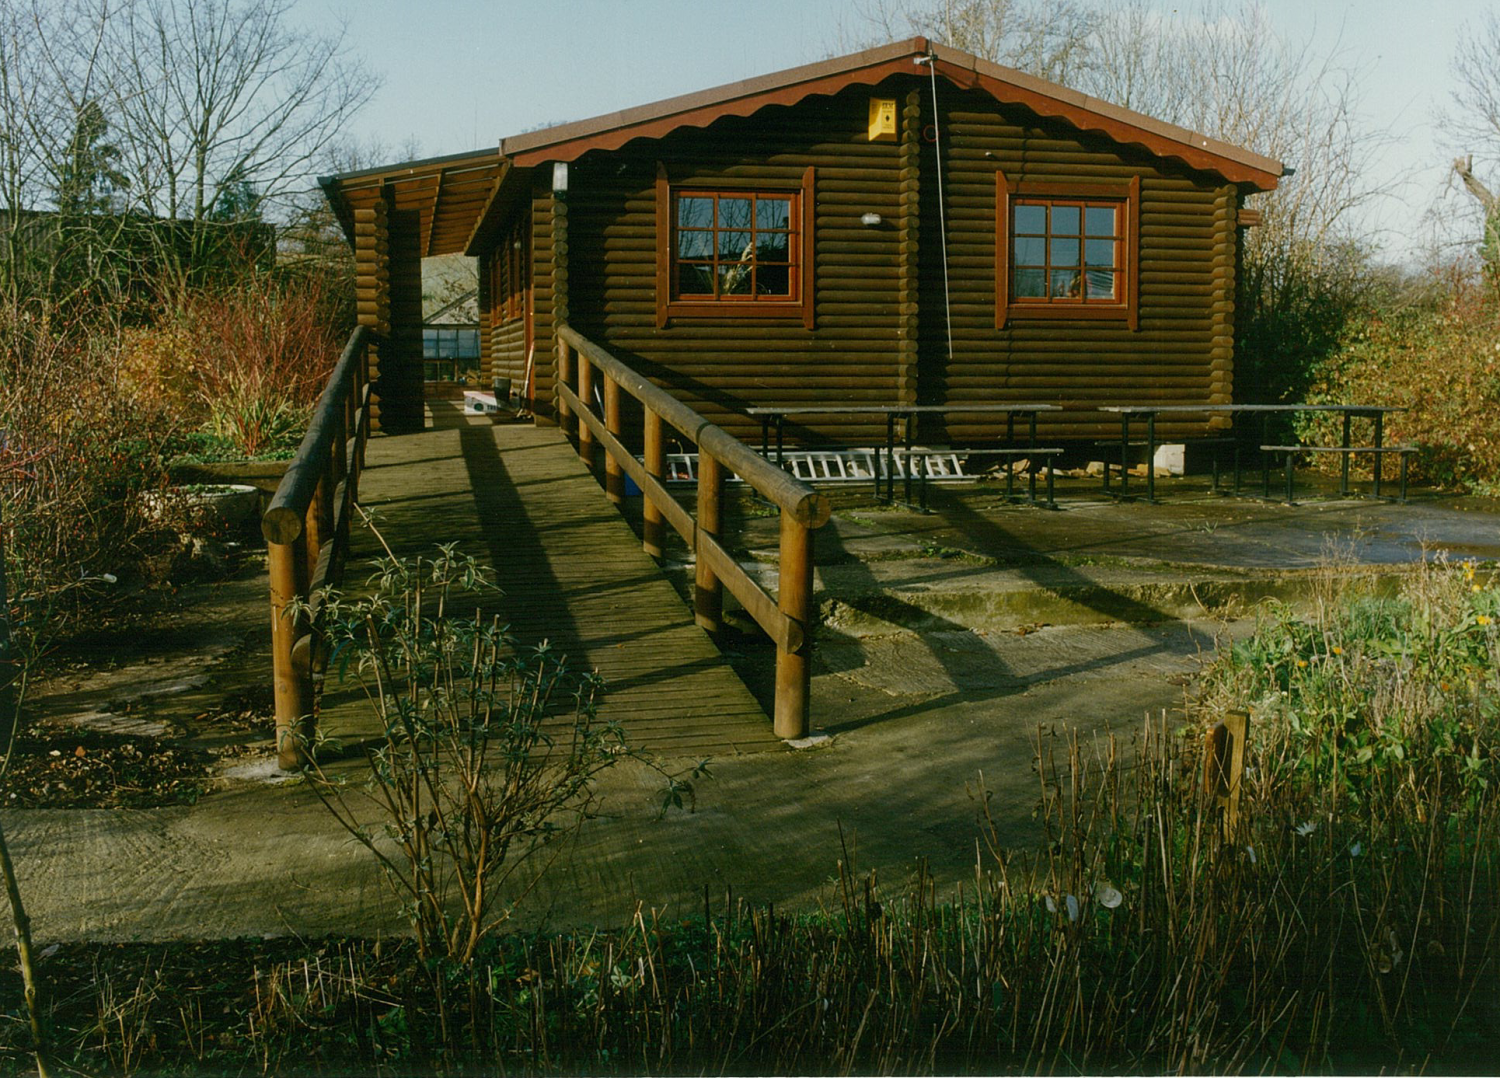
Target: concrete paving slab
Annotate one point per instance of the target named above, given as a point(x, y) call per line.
point(953, 641)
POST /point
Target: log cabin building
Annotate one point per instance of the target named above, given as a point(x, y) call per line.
point(908, 224)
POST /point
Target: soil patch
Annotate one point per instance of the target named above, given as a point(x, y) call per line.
point(76, 767)
point(144, 707)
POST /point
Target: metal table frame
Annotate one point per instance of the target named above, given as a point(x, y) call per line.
point(776, 417)
point(1149, 412)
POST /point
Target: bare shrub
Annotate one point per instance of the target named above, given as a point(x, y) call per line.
point(488, 754)
point(73, 456)
point(243, 364)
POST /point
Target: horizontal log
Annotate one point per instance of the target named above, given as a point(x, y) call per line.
point(805, 505)
point(681, 521)
point(787, 633)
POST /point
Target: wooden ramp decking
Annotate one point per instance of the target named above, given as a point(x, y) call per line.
point(571, 572)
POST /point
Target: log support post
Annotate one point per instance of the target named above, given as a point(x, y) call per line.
point(653, 524)
point(708, 592)
point(586, 400)
point(317, 526)
point(794, 668)
point(614, 472)
point(565, 417)
point(292, 688)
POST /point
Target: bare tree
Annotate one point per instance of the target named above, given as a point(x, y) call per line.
point(1472, 122)
point(1046, 39)
point(223, 100)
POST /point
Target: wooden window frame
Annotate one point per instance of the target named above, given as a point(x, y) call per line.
point(511, 276)
point(1127, 309)
point(799, 306)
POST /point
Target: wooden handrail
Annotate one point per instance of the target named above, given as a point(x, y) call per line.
point(786, 619)
point(283, 520)
point(307, 534)
point(775, 485)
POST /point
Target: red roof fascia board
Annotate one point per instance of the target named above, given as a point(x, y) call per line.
point(613, 138)
point(570, 141)
point(1120, 125)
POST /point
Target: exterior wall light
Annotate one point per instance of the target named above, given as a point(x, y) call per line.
point(560, 178)
point(870, 220)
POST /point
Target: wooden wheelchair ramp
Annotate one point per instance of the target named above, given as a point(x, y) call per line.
point(571, 571)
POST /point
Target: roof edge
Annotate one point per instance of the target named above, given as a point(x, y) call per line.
point(610, 130)
point(730, 91)
point(486, 155)
point(1108, 110)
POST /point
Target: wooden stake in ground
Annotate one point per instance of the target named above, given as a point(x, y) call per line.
point(23, 951)
point(1224, 765)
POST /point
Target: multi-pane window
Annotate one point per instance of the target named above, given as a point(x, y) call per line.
point(449, 353)
point(514, 272)
point(734, 246)
point(734, 252)
point(1066, 251)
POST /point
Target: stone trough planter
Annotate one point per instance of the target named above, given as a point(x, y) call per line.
point(205, 508)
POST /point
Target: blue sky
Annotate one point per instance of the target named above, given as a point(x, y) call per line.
point(460, 74)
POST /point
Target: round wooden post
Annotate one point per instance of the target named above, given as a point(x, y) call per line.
point(341, 450)
point(794, 668)
point(614, 472)
point(312, 531)
point(565, 417)
point(653, 529)
point(708, 592)
point(586, 397)
point(291, 692)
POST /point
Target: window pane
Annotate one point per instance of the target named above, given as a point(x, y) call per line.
point(771, 247)
point(1065, 284)
point(1031, 251)
point(1101, 220)
point(1031, 284)
point(773, 212)
point(735, 246)
point(447, 344)
point(734, 280)
point(695, 245)
point(773, 280)
point(734, 213)
point(468, 344)
point(1065, 252)
point(1101, 284)
point(695, 279)
point(695, 212)
point(1065, 220)
point(1100, 252)
point(1031, 220)
point(429, 343)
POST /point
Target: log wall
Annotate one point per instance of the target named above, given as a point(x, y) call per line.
point(1182, 351)
point(880, 333)
point(372, 291)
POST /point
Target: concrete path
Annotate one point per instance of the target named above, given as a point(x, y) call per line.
point(952, 639)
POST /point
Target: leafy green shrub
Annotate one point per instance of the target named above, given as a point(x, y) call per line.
point(487, 753)
point(1441, 361)
point(1379, 691)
